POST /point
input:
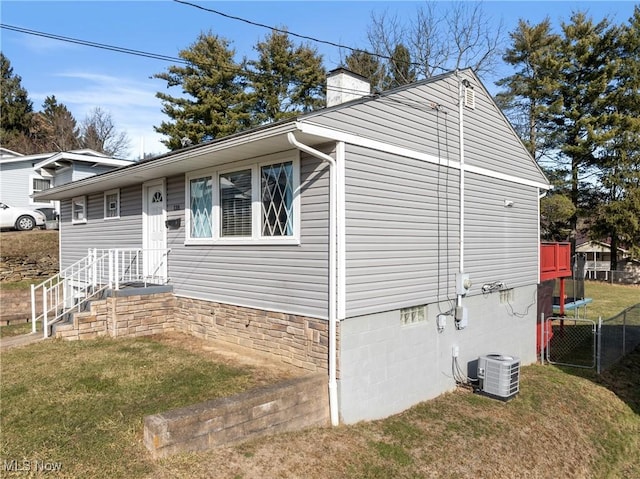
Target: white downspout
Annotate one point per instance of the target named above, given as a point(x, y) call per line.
point(333, 383)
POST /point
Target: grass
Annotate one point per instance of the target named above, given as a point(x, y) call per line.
point(29, 244)
point(560, 425)
point(15, 329)
point(82, 403)
point(608, 299)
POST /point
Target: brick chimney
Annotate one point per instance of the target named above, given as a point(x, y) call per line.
point(344, 85)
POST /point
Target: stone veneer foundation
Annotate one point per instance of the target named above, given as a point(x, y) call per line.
point(295, 340)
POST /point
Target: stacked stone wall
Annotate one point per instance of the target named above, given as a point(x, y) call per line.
point(296, 340)
point(125, 316)
point(288, 406)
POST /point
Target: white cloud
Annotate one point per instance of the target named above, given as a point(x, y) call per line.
point(131, 103)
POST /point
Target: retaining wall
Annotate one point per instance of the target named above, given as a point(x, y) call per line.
point(287, 406)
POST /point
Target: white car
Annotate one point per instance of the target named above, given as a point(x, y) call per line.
point(20, 218)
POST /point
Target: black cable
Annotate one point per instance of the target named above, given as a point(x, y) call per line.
point(104, 46)
point(304, 37)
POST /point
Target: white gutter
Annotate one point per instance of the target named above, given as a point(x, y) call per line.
point(333, 383)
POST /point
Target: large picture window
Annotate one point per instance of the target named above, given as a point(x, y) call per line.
point(256, 202)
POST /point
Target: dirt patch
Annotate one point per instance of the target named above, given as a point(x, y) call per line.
point(232, 355)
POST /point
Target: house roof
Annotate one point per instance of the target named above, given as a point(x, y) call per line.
point(597, 247)
point(65, 158)
point(7, 153)
point(84, 154)
point(259, 141)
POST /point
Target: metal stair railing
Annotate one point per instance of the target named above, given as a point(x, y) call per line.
point(68, 290)
point(101, 269)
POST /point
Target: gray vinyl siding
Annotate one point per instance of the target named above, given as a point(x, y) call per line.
point(401, 231)
point(491, 142)
point(408, 118)
point(63, 177)
point(287, 278)
point(404, 118)
point(123, 232)
point(16, 184)
point(501, 244)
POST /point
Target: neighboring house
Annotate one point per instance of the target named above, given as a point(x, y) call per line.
point(368, 239)
point(598, 262)
point(23, 175)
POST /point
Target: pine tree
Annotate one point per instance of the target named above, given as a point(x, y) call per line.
point(401, 70)
point(368, 66)
point(285, 80)
point(533, 52)
point(618, 159)
point(16, 110)
point(214, 103)
point(55, 128)
point(587, 69)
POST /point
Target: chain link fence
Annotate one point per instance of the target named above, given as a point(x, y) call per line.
point(571, 342)
point(618, 336)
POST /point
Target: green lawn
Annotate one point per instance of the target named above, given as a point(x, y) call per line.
point(608, 299)
point(82, 403)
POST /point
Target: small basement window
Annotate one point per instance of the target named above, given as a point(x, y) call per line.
point(414, 314)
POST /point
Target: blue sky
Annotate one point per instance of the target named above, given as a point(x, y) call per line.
point(84, 78)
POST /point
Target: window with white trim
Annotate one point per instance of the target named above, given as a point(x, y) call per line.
point(236, 199)
point(201, 207)
point(40, 184)
point(255, 202)
point(276, 191)
point(79, 209)
point(111, 204)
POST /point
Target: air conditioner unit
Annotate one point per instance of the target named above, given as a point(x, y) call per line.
point(499, 376)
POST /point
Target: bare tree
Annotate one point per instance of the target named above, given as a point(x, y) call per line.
point(100, 134)
point(440, 37)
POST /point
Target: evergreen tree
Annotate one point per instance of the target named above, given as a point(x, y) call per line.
point(368, 66)
point(16, 110)
point(618, 158)
point(533, 52)
point(285, 80)
point(588, 67)
point(213, 103)
point(55, 128)
point(401, 70)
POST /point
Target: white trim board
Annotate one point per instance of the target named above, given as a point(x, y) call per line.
point(401, 151)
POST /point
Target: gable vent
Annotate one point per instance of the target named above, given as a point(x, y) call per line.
point(469, 97)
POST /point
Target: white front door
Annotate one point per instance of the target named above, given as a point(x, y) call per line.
point(154, 230)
